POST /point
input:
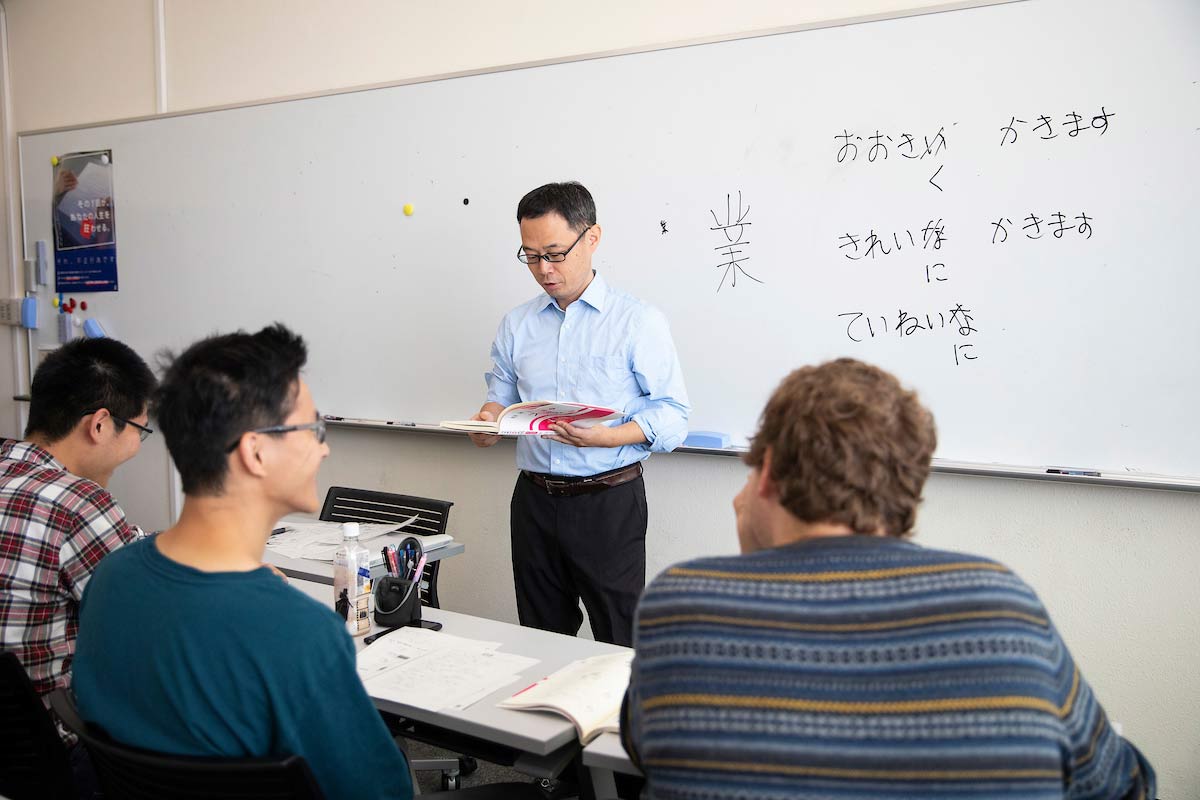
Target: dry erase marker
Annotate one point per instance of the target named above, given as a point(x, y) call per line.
point(1086, 473)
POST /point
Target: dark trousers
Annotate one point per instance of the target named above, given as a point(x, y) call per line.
point(590, 547)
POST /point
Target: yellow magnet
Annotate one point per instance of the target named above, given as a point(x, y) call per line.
point(54, 302)
point(54, 161)
point(408, 209)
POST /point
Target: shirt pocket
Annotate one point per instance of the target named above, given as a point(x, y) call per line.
point(604, 380)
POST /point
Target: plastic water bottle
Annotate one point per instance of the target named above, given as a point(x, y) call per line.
point(352, 581)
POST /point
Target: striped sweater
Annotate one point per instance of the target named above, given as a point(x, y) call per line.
point(861, 668)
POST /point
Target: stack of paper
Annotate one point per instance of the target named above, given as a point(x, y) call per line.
point(317, 541)
point(436, 671)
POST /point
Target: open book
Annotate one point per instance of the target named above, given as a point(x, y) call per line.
point(534, 418)
point(588, 692)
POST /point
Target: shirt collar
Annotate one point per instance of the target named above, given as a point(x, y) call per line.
point(595, 295)
point(28, 451)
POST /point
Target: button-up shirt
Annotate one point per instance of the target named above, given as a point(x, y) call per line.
point(607, 349)
point(54, 529)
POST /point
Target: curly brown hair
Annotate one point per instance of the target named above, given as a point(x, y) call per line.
point(848, 445)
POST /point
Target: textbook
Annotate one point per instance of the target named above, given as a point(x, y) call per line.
point(588, 692)
point(534, 418)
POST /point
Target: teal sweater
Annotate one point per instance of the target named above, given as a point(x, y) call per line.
point(234, 664)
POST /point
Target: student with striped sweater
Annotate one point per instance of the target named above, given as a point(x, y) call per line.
point(836, 659)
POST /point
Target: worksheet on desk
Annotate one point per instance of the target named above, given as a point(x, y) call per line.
point(437, 671)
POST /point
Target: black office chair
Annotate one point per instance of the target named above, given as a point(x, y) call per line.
point(134, 774)
point(343, 504)
point(33, 759)
point(130, 773)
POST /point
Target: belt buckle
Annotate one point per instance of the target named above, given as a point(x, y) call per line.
point(555, 486)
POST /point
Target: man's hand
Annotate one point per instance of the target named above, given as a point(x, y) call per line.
point(64, 181)
point(487, 414)
point(597, 436)
point(580, 436)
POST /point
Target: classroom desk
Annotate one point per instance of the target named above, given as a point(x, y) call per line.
point(603, 757)
point(305, 569)
point(546, 741)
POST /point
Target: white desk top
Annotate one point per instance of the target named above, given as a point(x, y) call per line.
point(537, 732)
point(322, 571)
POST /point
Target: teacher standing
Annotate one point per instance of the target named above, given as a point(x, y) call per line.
point(578, 513)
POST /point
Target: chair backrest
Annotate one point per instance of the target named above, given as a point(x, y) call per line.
point(135, 774)
point(343, 504)
point(33, 759)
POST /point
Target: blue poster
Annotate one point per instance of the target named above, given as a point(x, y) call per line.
point(85, 225)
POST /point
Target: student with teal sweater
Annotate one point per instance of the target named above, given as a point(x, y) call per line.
point(187, 643)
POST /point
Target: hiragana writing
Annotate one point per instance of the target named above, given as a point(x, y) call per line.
point(873, 245)
point(1035, 227)
point(880, 146)
point(1072, 124)
point(861, 326)
point(732, 247)
point(963, 353)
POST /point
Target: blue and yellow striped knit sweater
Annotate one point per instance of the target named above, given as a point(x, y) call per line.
point(858, 668)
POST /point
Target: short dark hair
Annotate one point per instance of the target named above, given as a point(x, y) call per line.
point(571, 201)
point(848, 445)
point(218, 389)
point(87, 375)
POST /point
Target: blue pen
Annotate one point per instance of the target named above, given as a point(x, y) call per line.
point(1086, 473)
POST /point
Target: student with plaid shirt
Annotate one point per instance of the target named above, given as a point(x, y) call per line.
point(87, 416)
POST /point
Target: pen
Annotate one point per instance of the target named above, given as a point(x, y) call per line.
point(416, 575)
point(332, 418)
point(278, 530)
point(1087, 473)
point(405, 424)
point(375, 636)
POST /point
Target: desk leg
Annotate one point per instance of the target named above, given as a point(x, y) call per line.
point(604, 784)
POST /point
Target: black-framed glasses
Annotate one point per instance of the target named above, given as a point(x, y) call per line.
point(317, 427)
point(553, 258)
point(143, 431)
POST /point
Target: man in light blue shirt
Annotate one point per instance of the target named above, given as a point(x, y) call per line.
point(578, 513)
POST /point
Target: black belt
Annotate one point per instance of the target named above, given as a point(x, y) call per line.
point(567, 486)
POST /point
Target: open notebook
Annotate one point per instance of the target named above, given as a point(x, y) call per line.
point(588, 692)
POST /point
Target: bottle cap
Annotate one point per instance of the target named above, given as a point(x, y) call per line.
point(350, 530)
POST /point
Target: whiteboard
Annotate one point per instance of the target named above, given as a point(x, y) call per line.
point(1065, 340)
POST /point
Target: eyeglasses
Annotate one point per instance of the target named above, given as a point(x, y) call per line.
point(317, 427)
point(143, 431)
point(554, 258)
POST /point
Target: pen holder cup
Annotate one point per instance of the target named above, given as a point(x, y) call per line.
point(397, 602)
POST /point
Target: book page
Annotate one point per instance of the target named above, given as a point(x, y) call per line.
point(588, 692)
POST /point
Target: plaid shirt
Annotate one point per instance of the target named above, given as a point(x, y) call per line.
point(54, 529)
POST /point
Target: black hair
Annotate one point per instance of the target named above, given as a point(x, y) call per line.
point(87, 375)
point(571, 201)
point(218, 389)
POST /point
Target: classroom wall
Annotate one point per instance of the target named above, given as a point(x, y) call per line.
point(1116, 567)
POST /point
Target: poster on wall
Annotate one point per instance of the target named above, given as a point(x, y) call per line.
point(85, 223)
